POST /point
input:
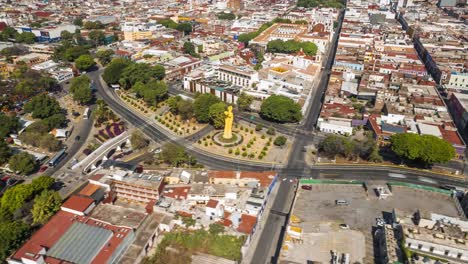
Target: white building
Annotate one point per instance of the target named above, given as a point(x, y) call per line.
point(335, 125)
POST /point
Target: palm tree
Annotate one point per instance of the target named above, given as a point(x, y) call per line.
point(103, 113)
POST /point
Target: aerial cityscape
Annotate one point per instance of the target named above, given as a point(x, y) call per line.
point(233, 131)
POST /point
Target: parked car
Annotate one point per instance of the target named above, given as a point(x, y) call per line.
point(341, 202)
point(77, 138)
point(43, 168)
point(306, 187)
point(344, 226)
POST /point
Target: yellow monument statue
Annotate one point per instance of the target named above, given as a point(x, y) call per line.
point(228, 123)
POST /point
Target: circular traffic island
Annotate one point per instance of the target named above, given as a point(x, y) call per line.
point(235, 140)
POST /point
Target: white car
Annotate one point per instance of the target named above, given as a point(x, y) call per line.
point(344, 226)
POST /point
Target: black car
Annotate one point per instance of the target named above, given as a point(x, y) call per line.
point(77, 138)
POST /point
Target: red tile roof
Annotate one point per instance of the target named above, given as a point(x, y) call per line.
point(96, 177)
point(247, 224)
point(265, 178)
point(78, 203)
point(89, 189)
point(179, 193)
point(212, 204)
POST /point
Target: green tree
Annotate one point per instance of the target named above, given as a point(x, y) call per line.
point(43, 106)
point(9, 124)
point(23, 163)
point(49, 142)
point(184, 27)
point(103, 113)
point(93, 25)
point(24, 88)
point(66, 35)
point(216, 112)
point(26, 37)
point(97, 37)
point(12, 236)
point(80, 89)
point(56, 121)
point(74, 52)
point(84, 62)
point(169, 23)
point(15, 197)
point(226, 16)
point(175, 155)
point(5, 152)
point(138, 140)
point(140, 72)
point(104, 56)
point(45, 206)
point(78, 22)
point(42, 183)
point(280, 141)
point(244, 101)
point(216, 229)
point(189, 48)
point(426, 148)
point(173, 103)
point(114, 70)
point(185, 109)
point(8, 33)
point(280, 109)
point(159, 89)
point(201, 107)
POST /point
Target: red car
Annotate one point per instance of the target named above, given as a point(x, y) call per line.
point(306, 187)
point(43, 168)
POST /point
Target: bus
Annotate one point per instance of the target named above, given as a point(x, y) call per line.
point(57, 158)
point(86, 113)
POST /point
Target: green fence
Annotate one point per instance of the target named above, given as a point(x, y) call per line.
point(313, 181)
point(421, 187)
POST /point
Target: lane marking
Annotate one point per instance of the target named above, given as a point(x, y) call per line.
point(424, 179)
point(396, 175)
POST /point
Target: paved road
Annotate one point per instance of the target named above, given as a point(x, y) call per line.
point(160, 135)
point(268, 251)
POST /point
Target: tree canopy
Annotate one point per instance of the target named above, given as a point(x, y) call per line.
point(140, 72)
point(216, 113)
point(104, 56)
point(175, 155)
point(280, 109)
point(45, 206)
point(12, 236)
point(80, 89)
point(9, 124)
point(226, 16)
point(26, 37)
point(291, 46)
point(97, 37)
point(425, 148)
point(23, 163)
point(43, 106)
point(321, 3)
point(244, 101)
point(189, 48)
point(201, 107)
point(114, 70)
point(138, 140)
point(152, 92)
point(5, 152)
point(84, 62)
point(179, 106)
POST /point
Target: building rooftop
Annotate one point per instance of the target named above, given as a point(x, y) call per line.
point(80, 243)
point(78, 203)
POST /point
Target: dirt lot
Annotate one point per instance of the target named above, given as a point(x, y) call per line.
point(320, 218)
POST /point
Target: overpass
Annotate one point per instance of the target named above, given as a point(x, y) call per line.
point(104, 152)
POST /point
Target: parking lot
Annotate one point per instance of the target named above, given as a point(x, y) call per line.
point(320, 218)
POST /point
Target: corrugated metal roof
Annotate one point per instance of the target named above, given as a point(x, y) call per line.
point(80, 244)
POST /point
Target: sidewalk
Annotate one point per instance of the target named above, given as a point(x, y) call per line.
point(247, 258)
